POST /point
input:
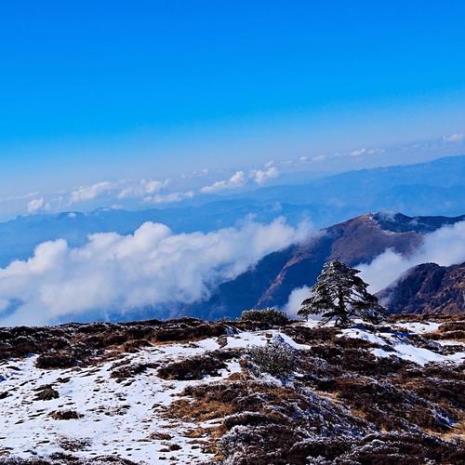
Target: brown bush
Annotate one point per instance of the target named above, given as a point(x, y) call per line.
point(451, 326)
point(391, 408)
point(457, 335)
point(65, 415)
point(189, 332)
point(268, 315)
point(131, 371)
point(55, 361)
point(304, 335)
point(46, 393)
point(276, 358)
point(192, 368)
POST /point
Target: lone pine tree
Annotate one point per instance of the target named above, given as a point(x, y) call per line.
point(341, 294)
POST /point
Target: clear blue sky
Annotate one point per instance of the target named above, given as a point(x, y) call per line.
point(91, 89)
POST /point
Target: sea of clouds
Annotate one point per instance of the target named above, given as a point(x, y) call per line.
point(118, 273)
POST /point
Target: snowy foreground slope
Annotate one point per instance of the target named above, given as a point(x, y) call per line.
point(190, 392)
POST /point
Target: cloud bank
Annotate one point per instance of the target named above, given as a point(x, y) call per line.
point(142, 188)
point(117, 273)
point(446, 247)
point(455, 138)
point(37, 205)
point(238, 179)
point(296, 297)
point(261, 177)
point(241, 178)
point(147, 191)
point(86, 193)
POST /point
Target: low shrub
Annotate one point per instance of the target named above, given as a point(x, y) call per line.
point(277, 358)
point(131, 371)
point(65, 415)
point(55, 361)
point(268, 315)
point(192, 368)
point(46, 393)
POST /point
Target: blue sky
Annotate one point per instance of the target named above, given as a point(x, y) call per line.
point(91, 91)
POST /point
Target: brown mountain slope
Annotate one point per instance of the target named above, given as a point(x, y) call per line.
point(355, 241)
point(428, 289)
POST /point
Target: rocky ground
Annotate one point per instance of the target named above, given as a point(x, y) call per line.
point(239, 392)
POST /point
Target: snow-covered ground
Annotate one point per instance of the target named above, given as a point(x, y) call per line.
point(114, 419)
point(401, 345)
point(418, 327)
point(130, 421)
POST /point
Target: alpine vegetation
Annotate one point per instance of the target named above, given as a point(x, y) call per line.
point(341, 294)
point(277, 358)
point(233, 392)
point(267, 315)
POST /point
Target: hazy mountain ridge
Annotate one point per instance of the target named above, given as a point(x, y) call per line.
point(431, 188)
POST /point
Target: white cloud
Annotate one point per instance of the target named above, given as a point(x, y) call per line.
point(365, 151)
point(110, 194)
point(18, 197)
point(37, 205)
point(148, 190)
point(86, 193)
point(168, 198)
point(153, 266)
point(296, 297)
point(358, 152)
point(455, 138)
point(260, 177)
point(238, 179)
point(142, 188)
point(446, 247)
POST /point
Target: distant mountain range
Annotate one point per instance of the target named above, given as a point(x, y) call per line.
point(426, 188)
point(432, 188)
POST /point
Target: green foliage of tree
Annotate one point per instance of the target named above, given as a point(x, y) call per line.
point(341, 294)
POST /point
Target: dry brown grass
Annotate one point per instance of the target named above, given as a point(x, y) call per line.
point(198, 409)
